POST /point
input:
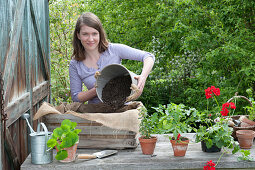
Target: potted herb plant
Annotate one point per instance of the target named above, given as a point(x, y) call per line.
point(175, 120)
point(65, 139)
point(147, 141)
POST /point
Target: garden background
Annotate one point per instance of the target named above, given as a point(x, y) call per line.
point(197, 44)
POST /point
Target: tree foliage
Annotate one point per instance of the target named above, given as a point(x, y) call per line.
point(197, 44)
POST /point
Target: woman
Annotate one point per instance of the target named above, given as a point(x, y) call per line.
point(92, 52)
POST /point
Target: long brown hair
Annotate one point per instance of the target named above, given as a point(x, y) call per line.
point(91, 20)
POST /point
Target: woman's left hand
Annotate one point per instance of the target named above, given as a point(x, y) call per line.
point(141, 82)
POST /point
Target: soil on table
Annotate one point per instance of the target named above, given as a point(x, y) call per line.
point(116, 91)
point(104, 108)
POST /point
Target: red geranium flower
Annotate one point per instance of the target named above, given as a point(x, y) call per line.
point(224, 112)
point(210, 165)
point(216, 91)
point(232, 105)
point(227, 106)
point(178, 137)
point(210, 91)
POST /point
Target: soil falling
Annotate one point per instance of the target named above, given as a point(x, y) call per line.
point(116, 91)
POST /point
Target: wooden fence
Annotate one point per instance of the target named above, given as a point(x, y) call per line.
point(25, 73)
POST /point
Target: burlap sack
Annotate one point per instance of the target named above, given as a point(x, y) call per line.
point(126, 118)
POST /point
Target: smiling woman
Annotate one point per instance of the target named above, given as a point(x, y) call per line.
point(89, 38)
point(92, 52)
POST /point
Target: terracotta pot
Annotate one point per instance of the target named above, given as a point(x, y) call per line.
point(148, 145)
point(237, 117)
point(245, 138)
point(179, 148)
point(71, 151)
point(214, 148)
point(247, 121)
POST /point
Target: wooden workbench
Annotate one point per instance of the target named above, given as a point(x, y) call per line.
point(162, 159)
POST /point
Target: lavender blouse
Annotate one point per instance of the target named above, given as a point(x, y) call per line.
point(79, 73)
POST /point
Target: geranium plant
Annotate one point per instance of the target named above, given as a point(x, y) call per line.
point(63, 137)
point(179, 138)
point(219, 134)
point(216, 131)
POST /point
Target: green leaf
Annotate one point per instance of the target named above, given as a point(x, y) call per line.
point(236, 149)
point(58, 132)
point(61, 155)
point(246, 152)
point(51, 143)
point(73, 125)
point(67, 142)
point(66, 129)
point(59, 147)
point(77, 131)
point(66, 122)
point(73, 136)
point(209, 143)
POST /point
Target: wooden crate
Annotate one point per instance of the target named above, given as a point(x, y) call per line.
point(93, 134)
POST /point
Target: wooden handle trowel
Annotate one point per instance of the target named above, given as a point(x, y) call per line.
point(99, 155)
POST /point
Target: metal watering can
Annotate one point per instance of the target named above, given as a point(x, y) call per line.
point(40, 153)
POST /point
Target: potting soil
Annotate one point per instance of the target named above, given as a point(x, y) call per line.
point(116, 91)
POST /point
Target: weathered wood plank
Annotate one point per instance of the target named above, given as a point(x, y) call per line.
point(55, 118)
point(10, 65)
point(40, 45)
point(87, 126)
point(106, 143)
point(19, 106)
point(134, 159)
point(4, 33)
point(10, 149)
point(93, 134)
point(96, 130)
point(23, 140)
point(31, 73)
point(2, 155)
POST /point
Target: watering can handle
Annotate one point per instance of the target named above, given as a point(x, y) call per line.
point(46, 134)
point(44, 127)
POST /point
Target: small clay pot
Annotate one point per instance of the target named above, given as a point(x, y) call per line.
point(71, 151)
point(245, 138)
point(148, 145)
point(179, 148)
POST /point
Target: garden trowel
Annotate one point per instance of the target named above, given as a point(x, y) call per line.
point(99, 155)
